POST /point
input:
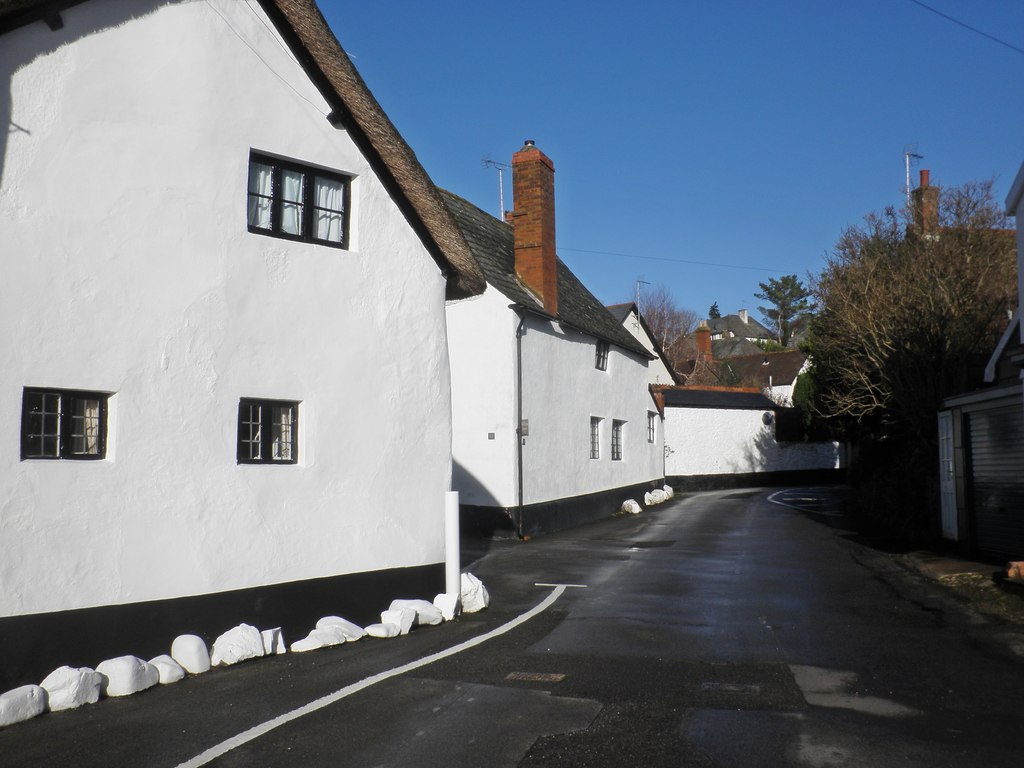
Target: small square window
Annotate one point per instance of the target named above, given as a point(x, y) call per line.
point(595, 437)
point(617, 440)
point(651, 423)
point(268, 431)
point(601, 358)
point(63, 424)
point(297, 202)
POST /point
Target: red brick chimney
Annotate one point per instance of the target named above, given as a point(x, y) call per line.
point(924, 202)
point(533, 223)
point(703, 338)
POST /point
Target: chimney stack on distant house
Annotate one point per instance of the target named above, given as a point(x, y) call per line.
point(744, 316)
point(924, 202)
point(703, 338)
point(533, 223)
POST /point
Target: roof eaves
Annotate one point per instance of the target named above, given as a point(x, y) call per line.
point(355, 108)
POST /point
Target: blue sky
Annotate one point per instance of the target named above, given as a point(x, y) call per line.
point(715, 144)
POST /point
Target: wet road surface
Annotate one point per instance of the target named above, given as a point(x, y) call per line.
point(735, 628)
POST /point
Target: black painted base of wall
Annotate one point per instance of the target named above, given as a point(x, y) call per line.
point(549, 516)
point(33, 646)
point(754, 479)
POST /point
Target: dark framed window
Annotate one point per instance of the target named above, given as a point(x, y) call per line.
point(595, 437)
point(617, 440)
point(297, 202)
point(601, 358)
point(268, 431)
point(650, 426)
point(63, 424)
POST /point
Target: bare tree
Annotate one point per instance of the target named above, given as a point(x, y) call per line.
point(668, 322)
point(904, 312)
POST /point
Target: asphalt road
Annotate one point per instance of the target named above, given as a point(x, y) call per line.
point(736, 628)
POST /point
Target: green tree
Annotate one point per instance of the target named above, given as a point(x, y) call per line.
point(714, 313)
point(903, 316)
point(790, 306)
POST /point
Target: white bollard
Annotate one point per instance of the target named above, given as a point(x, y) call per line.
point(452, 563)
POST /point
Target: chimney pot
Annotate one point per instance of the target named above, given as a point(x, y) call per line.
point(925, 178)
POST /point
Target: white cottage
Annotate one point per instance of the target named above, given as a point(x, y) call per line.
point(659, 371)
point(554, 423)
point(224, 382)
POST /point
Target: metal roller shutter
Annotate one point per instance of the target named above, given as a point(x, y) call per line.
point(997, 480)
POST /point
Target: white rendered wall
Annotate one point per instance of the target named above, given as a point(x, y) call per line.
point(128, 269)
point(657, 371)
point(561, 391)
point(482, 342)
point(711, 441)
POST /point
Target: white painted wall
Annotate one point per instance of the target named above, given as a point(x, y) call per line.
point(713, 441)
point(657, 371)
point(482, 342)
point(128, 269)
point(562, 389)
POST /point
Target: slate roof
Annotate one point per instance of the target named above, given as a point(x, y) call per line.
point(492, 243)
point(732, 324)
point(782, 367)
point(355, 108)
point(621, 311)
point(715, 397)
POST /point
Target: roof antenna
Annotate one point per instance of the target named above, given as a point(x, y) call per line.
point(910, 157)
point(488, 163)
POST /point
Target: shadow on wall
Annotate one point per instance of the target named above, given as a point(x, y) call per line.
point(22, 46)
point(471, 489)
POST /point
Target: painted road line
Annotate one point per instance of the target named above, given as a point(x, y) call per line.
point(812, 511)
point(256, 731)
point(567, 586)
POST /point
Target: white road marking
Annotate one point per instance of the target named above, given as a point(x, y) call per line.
point(259, 730)
point(574, 586)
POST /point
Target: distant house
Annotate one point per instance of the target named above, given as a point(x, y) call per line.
point(660, 369)
point(981, 437)
point(774, 373)
point(225, 389)
point(738, 326)
point(724, 437)
point(554, 423)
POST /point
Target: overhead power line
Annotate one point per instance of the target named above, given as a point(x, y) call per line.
point(975, 30)
point(678, 261)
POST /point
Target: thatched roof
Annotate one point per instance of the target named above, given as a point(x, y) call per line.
point(310, 38)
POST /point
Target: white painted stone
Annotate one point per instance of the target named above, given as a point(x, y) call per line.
point(648, 499)
point(22, 703)
point(190, 651)
point(321, 637)
point(474, 594)
point(237, 644)
point(669, 492)
point(170, 670)
point(631, 507)
point(658, 496)
point(351, 631)
point(448, 605)
point(427, 614)
point(126, 675)
point(71, 687)
point(383, 630)
point(403, 618)
point(273, 641)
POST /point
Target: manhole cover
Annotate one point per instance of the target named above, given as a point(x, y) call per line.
point(536, 677)
point(731, 688)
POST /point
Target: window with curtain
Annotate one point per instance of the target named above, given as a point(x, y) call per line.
point(63, 424)
point(267, 431)
point(297, 202)
point(617, 439)
point(595, 437)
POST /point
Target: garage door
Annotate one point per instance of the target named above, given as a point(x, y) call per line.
point(997, 480)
